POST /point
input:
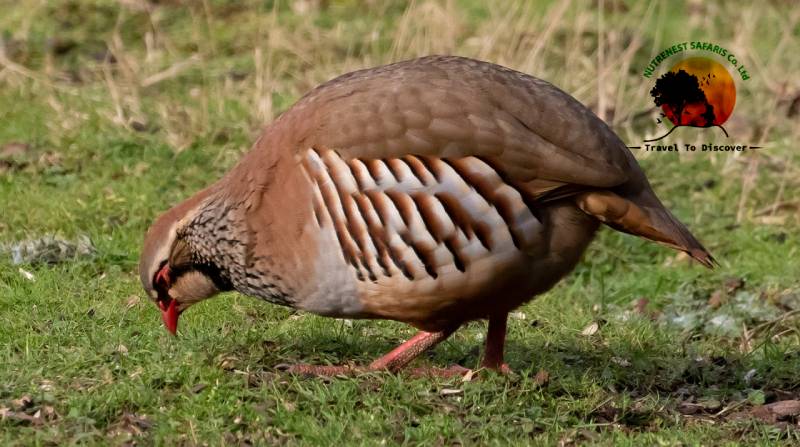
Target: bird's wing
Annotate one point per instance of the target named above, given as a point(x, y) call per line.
point(536, 136)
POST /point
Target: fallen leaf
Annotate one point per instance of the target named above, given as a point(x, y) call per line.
point(228, 363)
point(591, 329)
point(717, 299)
point(23, 403)
point(50, 159)
point(20, 417)
point(776, 411)
point(784, 408)
point(748, 376)
point(25, 410)
point(621, 361)
point(688, 408)
point(132, 301)
point(27, 275)
point(732, 284)
point(541, 377)
point(131, 424)
point(468, 376)
point(640, 307)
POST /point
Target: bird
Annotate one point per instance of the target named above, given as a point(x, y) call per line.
point(434, 192)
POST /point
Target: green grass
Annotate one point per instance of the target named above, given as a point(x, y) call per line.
point(108, 151)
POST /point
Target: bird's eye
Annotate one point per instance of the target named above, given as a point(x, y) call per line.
point(162, 279)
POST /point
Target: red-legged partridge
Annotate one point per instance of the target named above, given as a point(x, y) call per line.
point(433, 191)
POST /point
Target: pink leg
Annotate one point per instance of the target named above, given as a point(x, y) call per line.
point(408, 351)
point(495, 343)
point(394, 361)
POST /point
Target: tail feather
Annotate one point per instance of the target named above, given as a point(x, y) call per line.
point(646, 217)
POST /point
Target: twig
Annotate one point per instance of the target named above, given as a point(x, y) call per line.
point(170, 72)
point(730, 407)
point(774, 207)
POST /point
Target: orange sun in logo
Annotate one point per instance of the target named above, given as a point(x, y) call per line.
point(696, 92)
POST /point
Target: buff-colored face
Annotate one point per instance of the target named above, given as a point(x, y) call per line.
point(168, 274)
point(176, 288)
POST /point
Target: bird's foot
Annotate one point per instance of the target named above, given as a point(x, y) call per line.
point(502, 368)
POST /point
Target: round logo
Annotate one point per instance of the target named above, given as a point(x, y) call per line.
point(696, 92)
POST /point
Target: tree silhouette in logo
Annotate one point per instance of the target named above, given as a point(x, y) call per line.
point(683, 101)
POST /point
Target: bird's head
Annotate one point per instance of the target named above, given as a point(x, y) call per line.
point(168, 269)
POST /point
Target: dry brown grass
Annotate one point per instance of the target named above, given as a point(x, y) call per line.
point(596, 57)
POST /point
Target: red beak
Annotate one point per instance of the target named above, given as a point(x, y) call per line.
point(170, 314)
point(168, 306)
